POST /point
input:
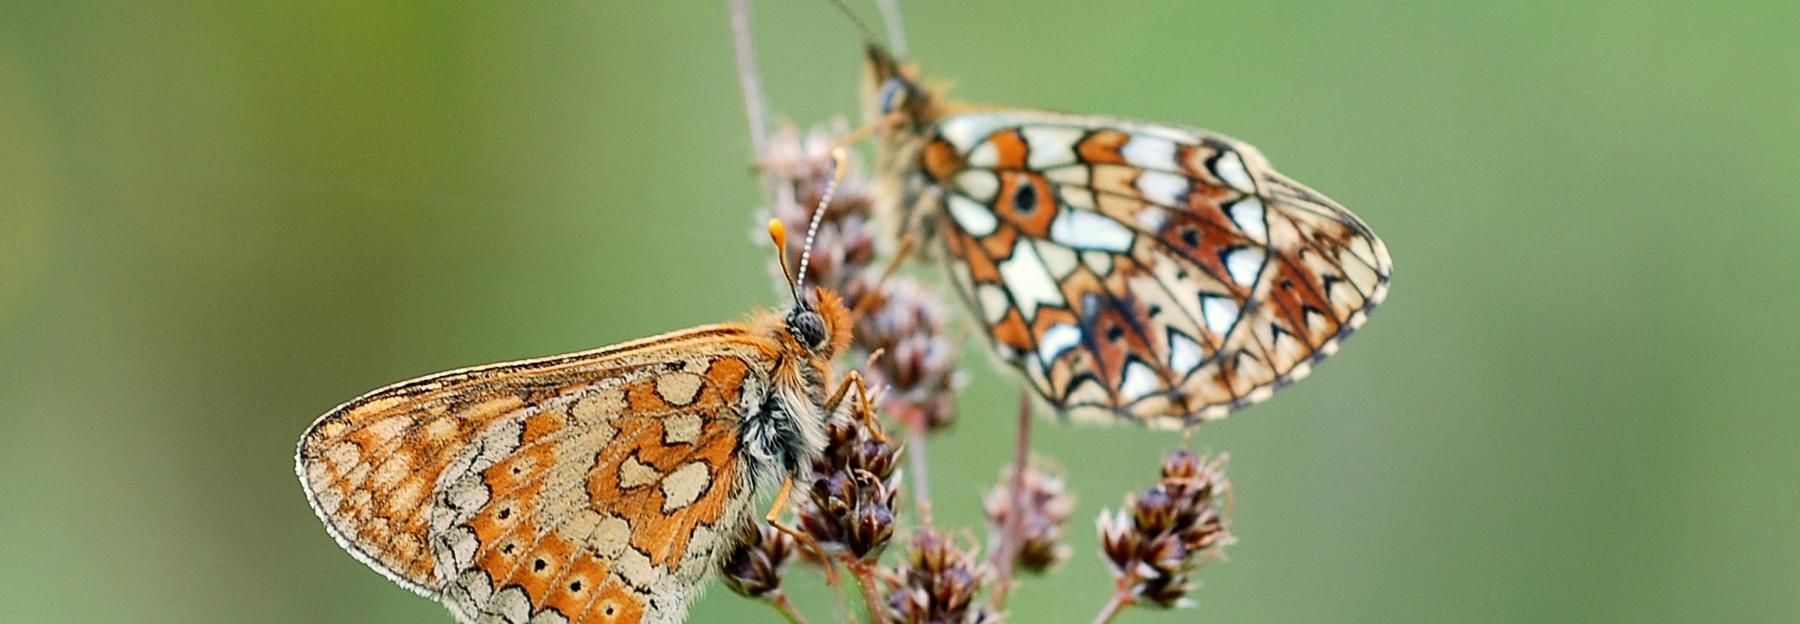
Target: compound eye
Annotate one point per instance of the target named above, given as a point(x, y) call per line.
point(809, 328)
point(894, 93)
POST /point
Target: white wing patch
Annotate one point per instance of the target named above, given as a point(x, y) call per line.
point(1152, 218)
point(1139, 381)
point(1230, 168)
point(1029, 281)
point(1184, 353)
point(1244, 263)
point(1059, 338)
point(973, 218)
point(1162, 188)
point(1220, 313)
point(964, 131)
point(1050, 146)
point(1149, 152)
point(1250, 216)
point(1100, 262)
point(1086, 229)
point(684, 484)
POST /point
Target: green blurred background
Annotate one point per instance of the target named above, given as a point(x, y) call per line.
point(217, 220)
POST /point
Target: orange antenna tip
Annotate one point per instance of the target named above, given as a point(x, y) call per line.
point(778, 233)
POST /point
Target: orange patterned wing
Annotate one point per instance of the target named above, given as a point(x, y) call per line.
point(591, 487)
point(1137, 271)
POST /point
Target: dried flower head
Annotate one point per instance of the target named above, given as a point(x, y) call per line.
point(937, 584)
point(850, 502)
point(909, 326)
point(757, 560)
point(1044, 508)
point(846, 244)
point(1154, 544)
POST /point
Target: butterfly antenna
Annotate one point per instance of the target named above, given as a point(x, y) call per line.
point(865, 304)
point(868, 33)
point(778, 235)
point(838, 159)
point(890, 17)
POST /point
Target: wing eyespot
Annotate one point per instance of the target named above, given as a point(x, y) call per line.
point(1026, 199)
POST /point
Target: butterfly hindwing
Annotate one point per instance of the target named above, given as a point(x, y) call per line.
point(1158, 274)
point(592, 487)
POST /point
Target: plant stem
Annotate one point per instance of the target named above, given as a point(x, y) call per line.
point(786, 608)
point(1119, 601)
point(865, 580)
point(843, 604)
point(915, 461)
point(747, 78)
point(1011, 536)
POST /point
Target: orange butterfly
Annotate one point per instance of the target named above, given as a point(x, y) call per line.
point(1128, 270)
point(591, 487)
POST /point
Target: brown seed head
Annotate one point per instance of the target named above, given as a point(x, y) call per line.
point(1046, 509)
point(850, 502)
point(757, 560)
point(937, 584)
point(1163, 534)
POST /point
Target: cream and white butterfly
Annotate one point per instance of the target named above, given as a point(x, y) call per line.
point(1129, 270)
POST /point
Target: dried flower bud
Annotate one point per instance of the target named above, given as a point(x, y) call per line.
point(1156, 542)
point(1047, 504)
point(852, 509)
point(871, 514)
point(909, 325)
point(850, 502)
point(756, 561)
point(937, 584)
point(850, 443)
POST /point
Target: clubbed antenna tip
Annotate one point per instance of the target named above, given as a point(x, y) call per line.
point(778, 235)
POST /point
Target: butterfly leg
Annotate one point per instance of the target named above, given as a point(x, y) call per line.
point(837, 397)
point(807, 541)
point(865, 407)
point(873, 297)
point(781, 497)
point(867, 130)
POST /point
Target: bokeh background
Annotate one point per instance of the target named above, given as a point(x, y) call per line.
point(218, 220)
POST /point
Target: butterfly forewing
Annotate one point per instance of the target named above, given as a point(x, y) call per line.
point(591, 487)
point(1159, 274)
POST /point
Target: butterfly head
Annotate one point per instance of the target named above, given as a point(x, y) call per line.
point(894, 90)
point(817, 327)
point(820, 327)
